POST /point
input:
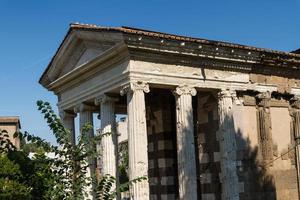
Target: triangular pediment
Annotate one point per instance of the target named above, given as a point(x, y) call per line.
point(88, 55)
point(82, 54)
point(79, 48)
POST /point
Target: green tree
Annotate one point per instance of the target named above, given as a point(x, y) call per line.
point(62, 177)
point(12, 185)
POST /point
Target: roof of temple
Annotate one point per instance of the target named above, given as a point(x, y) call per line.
point(274, 56)
point(125, 29)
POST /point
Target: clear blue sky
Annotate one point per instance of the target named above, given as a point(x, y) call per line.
point(31, 31)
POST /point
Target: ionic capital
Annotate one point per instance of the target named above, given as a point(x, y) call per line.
point(264, 99)
point(66, 114)
point(104, 99)
point(135, 86)
point(264, 95)
point(226, 93)
point(229, 94)
point(83, 107)
point(185, 90)
point(295, 102)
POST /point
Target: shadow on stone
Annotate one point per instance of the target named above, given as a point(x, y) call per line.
point(254, 180)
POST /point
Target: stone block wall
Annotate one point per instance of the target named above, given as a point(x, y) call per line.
point(162, 153)
point(208, 147)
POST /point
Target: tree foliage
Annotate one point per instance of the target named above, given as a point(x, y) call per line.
point(12, 184)
point(63, 176)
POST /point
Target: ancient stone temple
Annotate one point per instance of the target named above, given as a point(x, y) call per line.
point(206, 119)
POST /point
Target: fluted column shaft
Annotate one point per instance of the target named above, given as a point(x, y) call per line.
point(296, 130)
point(187, 175)
point(297, 125)
point(85, 118)
point(109, 141)
point(264, 125)
point(137, 138)
point(228, 146)
point(68, 122)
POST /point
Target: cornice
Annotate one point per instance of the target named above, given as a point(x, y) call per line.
point(216, 51)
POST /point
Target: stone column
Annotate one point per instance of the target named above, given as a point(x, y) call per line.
point(264, 126)
point(296, 134)
point(109, 142)
point(187, 175)
point(68, 122)
point(137, 138)
point(228, 146)
point(86, 117)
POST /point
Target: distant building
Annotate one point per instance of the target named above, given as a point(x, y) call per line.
point(11, 125)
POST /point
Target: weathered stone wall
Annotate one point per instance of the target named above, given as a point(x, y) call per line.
point(284, 168)
point(162, 154)
point(208, 146)
point(283, 84)
point(261, 177)
point(254, 182)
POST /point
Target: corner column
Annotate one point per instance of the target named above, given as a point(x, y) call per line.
point(137, 138)
point(228, 146)
point(264, 126)
point(296, 133)
point(187, 175)
point(68, 122)
point(108, 142)
point(86, 117)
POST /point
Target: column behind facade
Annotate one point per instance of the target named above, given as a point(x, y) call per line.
point(86, 117)
point(187, 175)
point(137, 138)
point(228, 146)
point(68, 122)
point(109, 142)
point(264, 126)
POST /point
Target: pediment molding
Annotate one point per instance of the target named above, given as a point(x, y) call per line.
point(113, 55)
point(78, 48)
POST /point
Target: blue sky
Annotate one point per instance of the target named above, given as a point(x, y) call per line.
point(31, 31)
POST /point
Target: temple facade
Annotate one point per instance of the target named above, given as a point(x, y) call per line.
point(205, 119)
